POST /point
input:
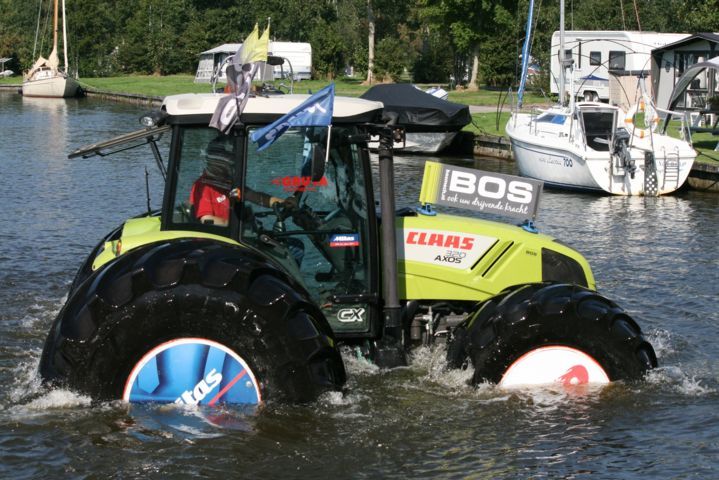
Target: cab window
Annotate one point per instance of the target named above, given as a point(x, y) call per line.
point(205, 170)
point(320, 229)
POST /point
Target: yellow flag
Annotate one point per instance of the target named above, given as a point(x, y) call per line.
point(254, 48)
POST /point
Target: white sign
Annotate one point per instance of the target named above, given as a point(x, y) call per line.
point(488, 192)
point(440, 247)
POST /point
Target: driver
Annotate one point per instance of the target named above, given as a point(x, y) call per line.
point(210, 194)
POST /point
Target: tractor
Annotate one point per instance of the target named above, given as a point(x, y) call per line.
point(256, 302)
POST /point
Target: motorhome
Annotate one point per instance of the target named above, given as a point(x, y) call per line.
point(602, 59)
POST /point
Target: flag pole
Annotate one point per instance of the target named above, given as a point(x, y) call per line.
point(327, 153)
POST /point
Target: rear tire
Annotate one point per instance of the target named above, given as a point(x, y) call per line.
point(211, 294)
point(501, 333)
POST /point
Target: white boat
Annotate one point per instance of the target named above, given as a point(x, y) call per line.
point(587, 147)
point(430, 122)
point(45, 78)
point(598, 147)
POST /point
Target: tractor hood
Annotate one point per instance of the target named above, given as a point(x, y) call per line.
point(459, 258)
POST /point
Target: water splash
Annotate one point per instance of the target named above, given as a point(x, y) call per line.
point(663, 343)
point(357, 364)
point(678, 381)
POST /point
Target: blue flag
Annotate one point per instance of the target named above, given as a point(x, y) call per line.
point(316, 111)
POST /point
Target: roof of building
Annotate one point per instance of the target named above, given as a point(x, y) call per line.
point(712, 37)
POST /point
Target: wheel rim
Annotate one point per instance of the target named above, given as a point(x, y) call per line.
point(192, 371)
point(554, 365)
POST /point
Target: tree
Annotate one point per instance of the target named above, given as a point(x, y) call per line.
point(370, 42)
point(461, 21)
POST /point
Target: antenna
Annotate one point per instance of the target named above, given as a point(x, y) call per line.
point(147, 191)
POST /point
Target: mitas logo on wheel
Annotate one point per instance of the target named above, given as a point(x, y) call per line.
point(201, 390)
point(192, 371)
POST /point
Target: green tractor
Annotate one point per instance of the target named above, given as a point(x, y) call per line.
point(262, 265)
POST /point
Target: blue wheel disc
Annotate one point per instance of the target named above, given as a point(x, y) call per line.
point(192, 371)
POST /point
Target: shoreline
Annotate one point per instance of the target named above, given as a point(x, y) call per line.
point(703, 176)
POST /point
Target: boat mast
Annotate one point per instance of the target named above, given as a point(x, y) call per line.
point(525, 56)
point(561, 52)
point(52, 59)
point(54, 27)
point(64, 37)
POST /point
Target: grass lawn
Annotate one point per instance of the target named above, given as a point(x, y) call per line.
point(173, 84)
point(161, 86)
point(705, 144)
point(486, 123)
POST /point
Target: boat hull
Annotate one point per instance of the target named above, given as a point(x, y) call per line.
point(556, 167)
point(420, 142)
point(55, 87)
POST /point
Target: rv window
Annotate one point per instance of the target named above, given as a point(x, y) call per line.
point(617, 60)
point(595, 58)
point(568, 54)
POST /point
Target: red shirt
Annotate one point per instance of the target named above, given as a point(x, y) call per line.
point(209, 199)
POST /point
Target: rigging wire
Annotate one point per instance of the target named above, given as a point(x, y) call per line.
point(37, 28)
point(636, 12)
point(45, 29)
point(534, 29)
point(621, 9)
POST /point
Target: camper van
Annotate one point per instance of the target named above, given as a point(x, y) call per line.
point(597, 55)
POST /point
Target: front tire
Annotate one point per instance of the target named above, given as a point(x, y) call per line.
point(547, 333)
point(192, 316)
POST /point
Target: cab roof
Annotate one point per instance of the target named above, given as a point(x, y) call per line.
point(267, 108)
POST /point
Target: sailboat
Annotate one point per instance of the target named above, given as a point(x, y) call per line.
point(594, 146)
point(45, 78)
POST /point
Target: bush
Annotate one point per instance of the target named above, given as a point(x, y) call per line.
point(391, 58)
point(434, 63)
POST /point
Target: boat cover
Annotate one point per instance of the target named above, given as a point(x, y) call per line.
point(418, 111)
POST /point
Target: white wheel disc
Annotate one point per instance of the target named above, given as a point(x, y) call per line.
point(554, 365)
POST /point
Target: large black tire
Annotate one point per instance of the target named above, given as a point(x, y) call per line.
point(187, 289)
point(504, 328)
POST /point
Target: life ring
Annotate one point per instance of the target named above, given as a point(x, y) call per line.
point(651, 124)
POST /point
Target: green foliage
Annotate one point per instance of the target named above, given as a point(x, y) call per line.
point(500, 47)
point(327, 52)
point(391, 58)
point(435, 60)
point(432, 38)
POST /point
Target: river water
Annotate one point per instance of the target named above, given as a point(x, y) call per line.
point(656, 257)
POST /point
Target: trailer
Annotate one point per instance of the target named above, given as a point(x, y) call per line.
point(605, 57)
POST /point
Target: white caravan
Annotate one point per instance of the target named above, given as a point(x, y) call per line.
point(299, 56)
point(596, 53)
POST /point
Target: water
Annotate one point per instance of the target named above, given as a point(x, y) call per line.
point(655, 257)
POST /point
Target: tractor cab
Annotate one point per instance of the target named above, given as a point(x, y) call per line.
point(306, 207)
point(306, 202)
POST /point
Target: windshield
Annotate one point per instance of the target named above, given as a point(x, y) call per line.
point(310, 211)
